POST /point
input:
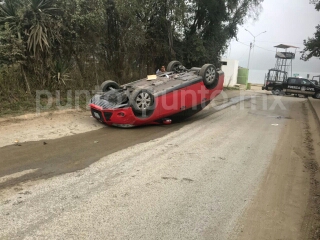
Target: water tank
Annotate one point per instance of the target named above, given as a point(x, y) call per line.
point(243, 75)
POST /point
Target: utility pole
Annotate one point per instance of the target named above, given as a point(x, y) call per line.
point(254, 41)
point(249, 55)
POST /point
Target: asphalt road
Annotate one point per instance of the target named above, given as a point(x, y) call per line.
point(191, 180)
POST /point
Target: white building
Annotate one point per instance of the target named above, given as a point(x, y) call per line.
point(230, 69)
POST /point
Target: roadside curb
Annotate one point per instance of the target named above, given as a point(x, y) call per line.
point(314, 112)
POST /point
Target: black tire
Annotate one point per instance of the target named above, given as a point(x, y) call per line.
point(209, 76)
point(276, 91)
point(302, 95)
point(317, 95)
point(173, 66)
point(142, 100)
point(108, 85)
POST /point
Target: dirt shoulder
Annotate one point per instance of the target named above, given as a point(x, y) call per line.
point(287, 203)
point(48, 125)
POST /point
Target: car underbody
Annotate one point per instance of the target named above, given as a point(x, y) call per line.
point(152, 100)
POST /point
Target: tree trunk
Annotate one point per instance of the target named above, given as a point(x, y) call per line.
point(26, 79)
point(81, 69)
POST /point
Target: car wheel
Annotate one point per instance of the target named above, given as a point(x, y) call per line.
point(317, 95)
point(108, 85)
point(173, 66)
point(142, 100)
point(209, 76)
point(276, 91)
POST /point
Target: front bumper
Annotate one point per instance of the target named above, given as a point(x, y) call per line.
point(121, 117)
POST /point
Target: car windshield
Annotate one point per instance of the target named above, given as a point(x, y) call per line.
point(305, 82)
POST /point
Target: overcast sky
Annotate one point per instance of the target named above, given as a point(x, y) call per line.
point(287, 22)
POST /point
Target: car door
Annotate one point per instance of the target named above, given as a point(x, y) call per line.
point(293, 85)
point(307, 88)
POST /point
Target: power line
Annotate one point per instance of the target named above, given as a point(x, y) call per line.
point(243, 43)
point(280, 41)
point(264, 49)
point(256, 46)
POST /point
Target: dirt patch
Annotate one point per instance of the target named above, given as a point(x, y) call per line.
point(287, 205)
point(311, 223)
point(49, 125)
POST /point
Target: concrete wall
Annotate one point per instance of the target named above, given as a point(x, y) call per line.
point(230, 72)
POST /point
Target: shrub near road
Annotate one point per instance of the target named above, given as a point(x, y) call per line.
point(62, 45)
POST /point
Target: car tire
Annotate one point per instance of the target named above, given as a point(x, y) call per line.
point(108, 85)
point(276, 91)
point(209, 76)
point(317, 95)
point(173, 66)
point(302, 96)
point(142, 100)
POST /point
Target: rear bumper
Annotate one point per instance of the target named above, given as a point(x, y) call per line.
point(121, 116)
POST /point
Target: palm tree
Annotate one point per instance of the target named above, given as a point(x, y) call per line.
point(42, 29)
point(41, 25)
point(10, 24)
point(9, 14)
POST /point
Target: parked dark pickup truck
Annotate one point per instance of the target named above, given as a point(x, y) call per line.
point(293, 85)
point(315, 80)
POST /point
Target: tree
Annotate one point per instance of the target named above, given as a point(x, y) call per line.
point(114, 39)
point(211, 24)
point(148, 29)
point(41, 25)
point(33, 29)
point(12, 48)
point(312, 45)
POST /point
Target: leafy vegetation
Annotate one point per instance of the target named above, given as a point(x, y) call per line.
point(77, 44)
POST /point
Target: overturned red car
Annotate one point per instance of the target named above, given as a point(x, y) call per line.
point(158, 99)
